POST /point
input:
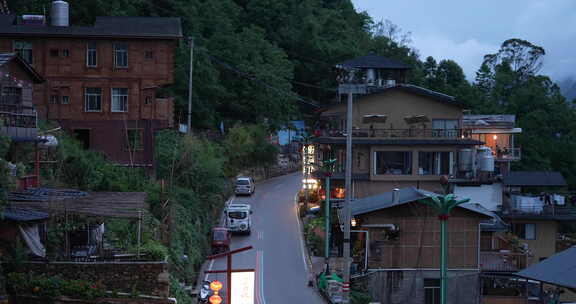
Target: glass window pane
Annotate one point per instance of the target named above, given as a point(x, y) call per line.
point(530, 231)
point(393, 162)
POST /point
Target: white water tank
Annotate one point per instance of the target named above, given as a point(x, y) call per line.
point(485, 159)
point(60, 13)
point(465, 160)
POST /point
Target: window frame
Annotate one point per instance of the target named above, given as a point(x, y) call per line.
point(406, 157)
point(54, 99)
point(433, 286)
point(149, 55)
point(65, 53)
point(91, 50)
point(12, 94)
point(437, 163)
point(65, 97)
point(122, 97)
point(117, 50)
point(20, 51)
point(86, 99)
point(522, 232)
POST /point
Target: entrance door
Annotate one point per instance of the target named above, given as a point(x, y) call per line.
point(83, 135)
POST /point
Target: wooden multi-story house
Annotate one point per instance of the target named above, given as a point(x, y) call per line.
point(103, 82)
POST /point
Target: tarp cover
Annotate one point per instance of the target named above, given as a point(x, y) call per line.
point(32, 238)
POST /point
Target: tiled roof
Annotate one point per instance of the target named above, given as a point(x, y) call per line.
point(121, 27)
point(374, 61)
point(7, 57)
point(406, 195)
point(534, 178)
point(559, 269)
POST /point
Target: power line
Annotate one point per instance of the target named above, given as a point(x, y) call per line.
point(261, 82)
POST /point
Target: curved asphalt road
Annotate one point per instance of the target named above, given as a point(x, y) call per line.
point(278, 253)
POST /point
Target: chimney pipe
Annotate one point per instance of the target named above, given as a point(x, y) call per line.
point(395, 196)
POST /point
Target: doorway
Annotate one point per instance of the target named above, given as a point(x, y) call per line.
point(83, 135)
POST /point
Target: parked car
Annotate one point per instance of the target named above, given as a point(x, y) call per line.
point(220, 240)
point(238, 218)
point(244, 185)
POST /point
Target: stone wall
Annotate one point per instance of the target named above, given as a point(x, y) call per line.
point(149, 278)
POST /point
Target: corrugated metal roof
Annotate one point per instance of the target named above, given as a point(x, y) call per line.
point(559, 269)
point(129, 27)
point(534, 178)
point(375, 61)
point(18, 214)
point(489, 121)
point(406, 195)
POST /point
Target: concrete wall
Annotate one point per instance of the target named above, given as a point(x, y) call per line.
point(544, 245)
point(397, 104)
point(150, 278)
point(407, 286)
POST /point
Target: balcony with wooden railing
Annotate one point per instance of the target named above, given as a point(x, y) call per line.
point(17, 121)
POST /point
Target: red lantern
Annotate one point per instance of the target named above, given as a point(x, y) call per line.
point(216, 286)
point(215, 299)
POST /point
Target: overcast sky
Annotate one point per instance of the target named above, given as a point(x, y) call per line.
point(465, 31)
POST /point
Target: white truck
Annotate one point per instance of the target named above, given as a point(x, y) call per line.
point(238, 218)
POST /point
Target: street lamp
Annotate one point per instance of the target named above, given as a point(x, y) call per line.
point(328, 167)
point(443, 205)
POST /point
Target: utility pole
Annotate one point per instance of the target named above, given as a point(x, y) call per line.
point(348, 187)
point(191, 40)
point(328, 168)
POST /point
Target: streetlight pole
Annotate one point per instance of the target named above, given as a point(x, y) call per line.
point(328, 165)
point(191, 40)
point(348, 187)
point(443, 205)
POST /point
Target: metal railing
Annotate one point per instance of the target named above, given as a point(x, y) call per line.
point(509, 154)
point(398, 133)
point(18, 121)
point(495, 261)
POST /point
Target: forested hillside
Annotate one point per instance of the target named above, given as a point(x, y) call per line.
point(267, 60)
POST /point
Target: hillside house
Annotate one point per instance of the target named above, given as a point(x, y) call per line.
point(404, 247)
point(17, 111)
point(104, 83)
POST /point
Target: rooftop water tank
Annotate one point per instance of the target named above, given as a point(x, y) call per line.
point(60, 13)
point(465, 160)
point(486, 161)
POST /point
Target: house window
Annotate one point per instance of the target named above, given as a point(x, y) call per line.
point(434, 163)
point(11, 95)
point(65, 53)
point(91, 55)
point(445, 128)
point(525, 231)
point(149, 55)
point(393, 162)
point(54, 53)
point(134, 139)
point(148, 100)
point(120, 55)
point(54, 99)
point(93, 99)
point(431, 291)
point(119, 100)
point(65, 99)
point(24, 49)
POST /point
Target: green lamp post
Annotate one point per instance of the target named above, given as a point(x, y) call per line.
point(327, 168)
point(443, 205)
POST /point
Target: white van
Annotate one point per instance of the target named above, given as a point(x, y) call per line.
point(244, 185)
point(238, 218)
